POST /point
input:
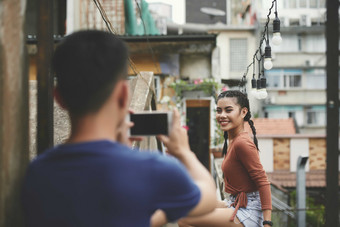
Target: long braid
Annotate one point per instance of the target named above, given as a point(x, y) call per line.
point(225, 146)
point(251, 124)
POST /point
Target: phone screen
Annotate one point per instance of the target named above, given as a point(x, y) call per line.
point(149, 124)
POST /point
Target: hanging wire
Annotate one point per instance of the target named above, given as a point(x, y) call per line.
point(147, 38)
point(113, 31)
point(253, 67)
point(104, 17)
point(263, 37)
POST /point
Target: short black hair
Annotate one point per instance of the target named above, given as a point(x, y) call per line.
point(87, 66)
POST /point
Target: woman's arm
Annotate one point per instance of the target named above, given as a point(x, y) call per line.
point(267, 216)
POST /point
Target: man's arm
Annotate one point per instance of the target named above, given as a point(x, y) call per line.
point(158, 219)
point(177, 144)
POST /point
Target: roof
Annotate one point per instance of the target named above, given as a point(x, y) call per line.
point(169, 38)
point(270, 126)
point(32, 39)
point(286, 179)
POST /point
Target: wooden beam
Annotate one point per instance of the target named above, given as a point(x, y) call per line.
point(332, 166)
point(45, 77)
point(13, 110)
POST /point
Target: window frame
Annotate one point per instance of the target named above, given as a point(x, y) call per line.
point(242, 64)
point(316, 113)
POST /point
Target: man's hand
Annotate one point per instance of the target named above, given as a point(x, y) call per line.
point(177, 142)
point(122, 133)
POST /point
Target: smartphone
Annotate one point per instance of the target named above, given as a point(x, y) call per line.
point(150, 123)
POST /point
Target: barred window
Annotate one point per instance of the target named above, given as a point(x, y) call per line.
point(238, 54)
point(316, 117)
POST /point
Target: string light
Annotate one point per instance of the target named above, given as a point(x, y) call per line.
point(258, 87)
point(277, 40)
point(263, 84)
point(263, 91)
point(268, 64)
point(253, 81)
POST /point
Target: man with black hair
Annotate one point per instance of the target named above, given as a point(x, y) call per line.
point(94, 178)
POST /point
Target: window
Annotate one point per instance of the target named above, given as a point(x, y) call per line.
point(284, 78)
point(282, 111)
point(313, 3)
point(273, 81)
point(299, 43)
point(315, 43)
point(316, 116)
point(238, 53)
point(157, 81)
point(322, 3)
point(291, 3)
point(291, 114)
point(311, 118)
point(292, 80)
point(303, 3)
point(316, 79)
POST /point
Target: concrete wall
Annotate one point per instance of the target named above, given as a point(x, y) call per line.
point(223, 42)
point(195, 66)
point(267, 154)
point(62, 126)
point(300, 59)
point(297, 96)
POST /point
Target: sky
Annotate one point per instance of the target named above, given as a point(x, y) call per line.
point(178, 9)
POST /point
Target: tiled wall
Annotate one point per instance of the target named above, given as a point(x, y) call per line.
point(281, 154)
point(317, 153)
point(281, 150)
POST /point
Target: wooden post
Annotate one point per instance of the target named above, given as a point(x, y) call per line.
point(13, 110)
point(143, 98)
point(332, 171)
point(45, 78)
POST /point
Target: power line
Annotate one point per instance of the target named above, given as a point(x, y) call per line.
point(113, 31)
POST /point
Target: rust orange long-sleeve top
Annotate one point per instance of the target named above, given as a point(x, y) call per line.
point(243, 172)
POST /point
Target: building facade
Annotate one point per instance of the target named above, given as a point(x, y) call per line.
point(296, 84)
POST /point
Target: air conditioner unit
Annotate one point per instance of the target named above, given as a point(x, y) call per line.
point(305, 20)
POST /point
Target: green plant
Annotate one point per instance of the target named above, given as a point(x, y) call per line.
point(218, 135)
point(315, 213)
point(208, 86)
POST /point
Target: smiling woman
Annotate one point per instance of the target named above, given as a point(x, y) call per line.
point(244, 177)
point(237, 110)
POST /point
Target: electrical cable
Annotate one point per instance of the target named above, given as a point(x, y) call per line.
point(113, 31)
point(263, 37)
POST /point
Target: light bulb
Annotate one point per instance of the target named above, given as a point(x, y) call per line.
point(253, 86)
point(263, 93)
point(258, 94)
point(277, 40)
point(268, 64)
point(253, 92)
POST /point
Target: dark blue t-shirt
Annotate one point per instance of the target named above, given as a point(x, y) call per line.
point(103, 183)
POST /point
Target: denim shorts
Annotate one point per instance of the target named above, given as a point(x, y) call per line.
point(252, 215)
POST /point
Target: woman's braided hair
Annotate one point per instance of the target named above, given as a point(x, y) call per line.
point(242, 101)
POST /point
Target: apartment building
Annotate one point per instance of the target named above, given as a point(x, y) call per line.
point(296, 84)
